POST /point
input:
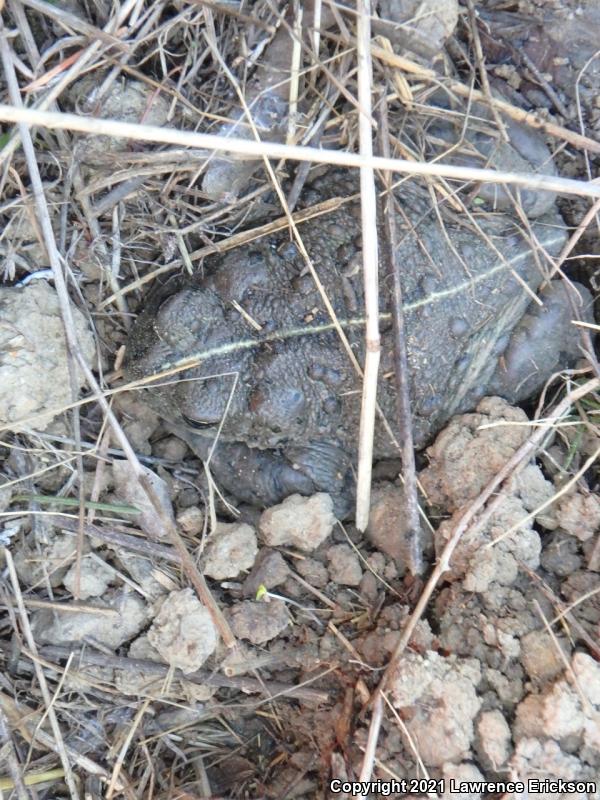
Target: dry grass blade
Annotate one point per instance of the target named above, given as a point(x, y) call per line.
point(8, 747)
point(483, 76)
point(253, 149)
point(370, 255)
point(520, 115)
point(118, 766)
point(71, 608)
point(54, 724)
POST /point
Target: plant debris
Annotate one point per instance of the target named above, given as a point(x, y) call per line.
point(157, 641)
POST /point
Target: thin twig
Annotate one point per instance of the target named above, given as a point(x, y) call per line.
point(371, 748)
point(538, 75)
point(275, 150)
point(295, 75)
point(412, 524)
point(370, 257)
point(208, 677)
point(483, 76)
point(126, 541)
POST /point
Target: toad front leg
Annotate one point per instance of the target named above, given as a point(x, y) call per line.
point(266, 477)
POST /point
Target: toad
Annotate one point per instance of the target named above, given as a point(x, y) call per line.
point(268, 390)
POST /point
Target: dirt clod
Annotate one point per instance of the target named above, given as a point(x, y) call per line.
point(302, 522)
point(344, 565)
point(231, 550)
point(439, 702)
point(34, 372)
point(539, 655)
point(579, 515)
point(460, 772)
point(387, 522)
point(94, 578)
point(259, 622)
point(270, 570)
point(465, 456)
point(128, 101)
point(494, 739)
point(128, 616)
point(191, 520)
point(313, 571)
point(183, 632)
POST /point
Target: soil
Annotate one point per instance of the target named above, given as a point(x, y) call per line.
point(121, 582)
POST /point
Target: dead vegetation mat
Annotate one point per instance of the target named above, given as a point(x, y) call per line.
point(154, 645)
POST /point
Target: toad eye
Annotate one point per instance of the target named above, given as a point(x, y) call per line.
point(199, 424)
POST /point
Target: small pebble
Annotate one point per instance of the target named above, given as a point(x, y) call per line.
point(269, 570)
point(259, 622)
point(191, 520)
point(231, 550)
point(344, 565)
point(302, 522)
